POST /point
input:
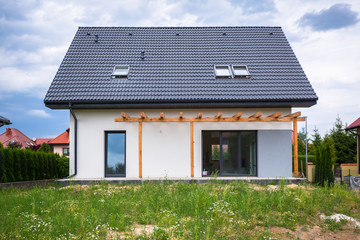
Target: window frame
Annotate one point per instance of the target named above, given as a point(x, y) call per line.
point(114, 75)
point(68, 151)
point(223, 76)
point(106, 155)
point(240, 75)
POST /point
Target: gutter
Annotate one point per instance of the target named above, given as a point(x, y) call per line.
point(75, 142)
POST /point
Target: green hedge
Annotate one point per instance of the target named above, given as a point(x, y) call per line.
point(302, 159)
point(27, 165)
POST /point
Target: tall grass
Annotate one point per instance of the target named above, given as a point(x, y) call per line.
point(178, 210)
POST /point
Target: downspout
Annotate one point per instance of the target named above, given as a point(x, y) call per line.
point(75, 142)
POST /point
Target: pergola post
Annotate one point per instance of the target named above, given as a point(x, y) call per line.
point(296, 160)
point(140, 149)
point(192, 148)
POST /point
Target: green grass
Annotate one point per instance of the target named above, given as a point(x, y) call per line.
point(177, 210)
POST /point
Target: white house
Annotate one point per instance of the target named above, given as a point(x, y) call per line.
point(180, 102)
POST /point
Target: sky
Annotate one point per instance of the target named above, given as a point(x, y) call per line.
point(35, 35)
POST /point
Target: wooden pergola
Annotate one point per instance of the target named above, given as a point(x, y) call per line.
point(256, 117)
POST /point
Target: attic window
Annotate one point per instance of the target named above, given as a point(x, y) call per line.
point(240, 71)
point(222, 71)
point(120, 71)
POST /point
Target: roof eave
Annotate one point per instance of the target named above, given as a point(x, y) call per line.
point(169, 105)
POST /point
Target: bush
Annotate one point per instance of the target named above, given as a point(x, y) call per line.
point(325, 159)
point(17, 165)
point(1, 145)
point(44, 148)
point(2, 166)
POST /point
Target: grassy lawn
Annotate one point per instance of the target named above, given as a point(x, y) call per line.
point(213, 210)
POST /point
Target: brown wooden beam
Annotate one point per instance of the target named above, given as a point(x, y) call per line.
point(218, 116)
point(140, 149)
point(212, 119)
point(199, 116)
point(192, 148)
point(237, 115)
point(125, 116)
point(162, 116)
point(296, 164)
point(143, 115)
point(256, 115)
point(275, 115)
point(293, 115)
point(181, 115)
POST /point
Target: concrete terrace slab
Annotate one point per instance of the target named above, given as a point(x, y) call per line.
point(256, 180)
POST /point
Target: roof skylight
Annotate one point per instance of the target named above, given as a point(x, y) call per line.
point(240, 71)
point(120, 71)
point(222, 71)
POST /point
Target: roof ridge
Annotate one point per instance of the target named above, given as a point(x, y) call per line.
point(184, 27)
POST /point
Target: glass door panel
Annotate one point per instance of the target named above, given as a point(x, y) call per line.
point(229, 153)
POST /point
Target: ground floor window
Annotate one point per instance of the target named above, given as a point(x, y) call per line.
point(229, 153)
point(114, 154)
point(66, 151)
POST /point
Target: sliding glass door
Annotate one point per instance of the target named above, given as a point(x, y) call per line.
point(229, 153)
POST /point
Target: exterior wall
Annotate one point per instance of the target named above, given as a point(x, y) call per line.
point(166, 146)
point(274, 153)
point(59, 149)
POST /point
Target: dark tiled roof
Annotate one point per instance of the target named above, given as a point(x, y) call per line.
point(354, 125)
point(4, 121)
point(179, 67)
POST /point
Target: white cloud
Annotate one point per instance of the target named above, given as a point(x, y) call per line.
point(39, 113)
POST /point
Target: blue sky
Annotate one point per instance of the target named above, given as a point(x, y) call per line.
point(35, 35)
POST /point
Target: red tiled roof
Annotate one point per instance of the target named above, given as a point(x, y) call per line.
point(355, 124)
point(40, 141)
point(62, 138)
point(14, 134)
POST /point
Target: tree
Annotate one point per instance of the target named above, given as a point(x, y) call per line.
point(44, 148)
point(344, 143)
point(324, 161)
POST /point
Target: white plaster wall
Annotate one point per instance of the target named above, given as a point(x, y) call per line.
point(166, 146)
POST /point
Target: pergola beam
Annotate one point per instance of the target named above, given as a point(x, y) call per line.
point(237, 115)
point(199, 116)
point(219, 115)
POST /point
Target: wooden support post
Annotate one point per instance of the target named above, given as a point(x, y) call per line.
point(296, 164)
point(192, 148)
point(140, 149)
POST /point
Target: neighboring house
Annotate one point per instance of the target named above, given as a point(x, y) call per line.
point(180, 102)
point(4, 121)
point(14, 135)
point(40, 141)
point(60, 144)
point(355, 126)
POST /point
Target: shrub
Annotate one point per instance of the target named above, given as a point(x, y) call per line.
point(325, 159)
point(29, 155)
point(44, 148)
point(9, 161)
point(24, 168)
point(17, 165)
point(1, 145)
point(2, 166)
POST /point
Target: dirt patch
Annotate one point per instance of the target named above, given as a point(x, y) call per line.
point(77, 187)
point(137, 230)
point(314, 233)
